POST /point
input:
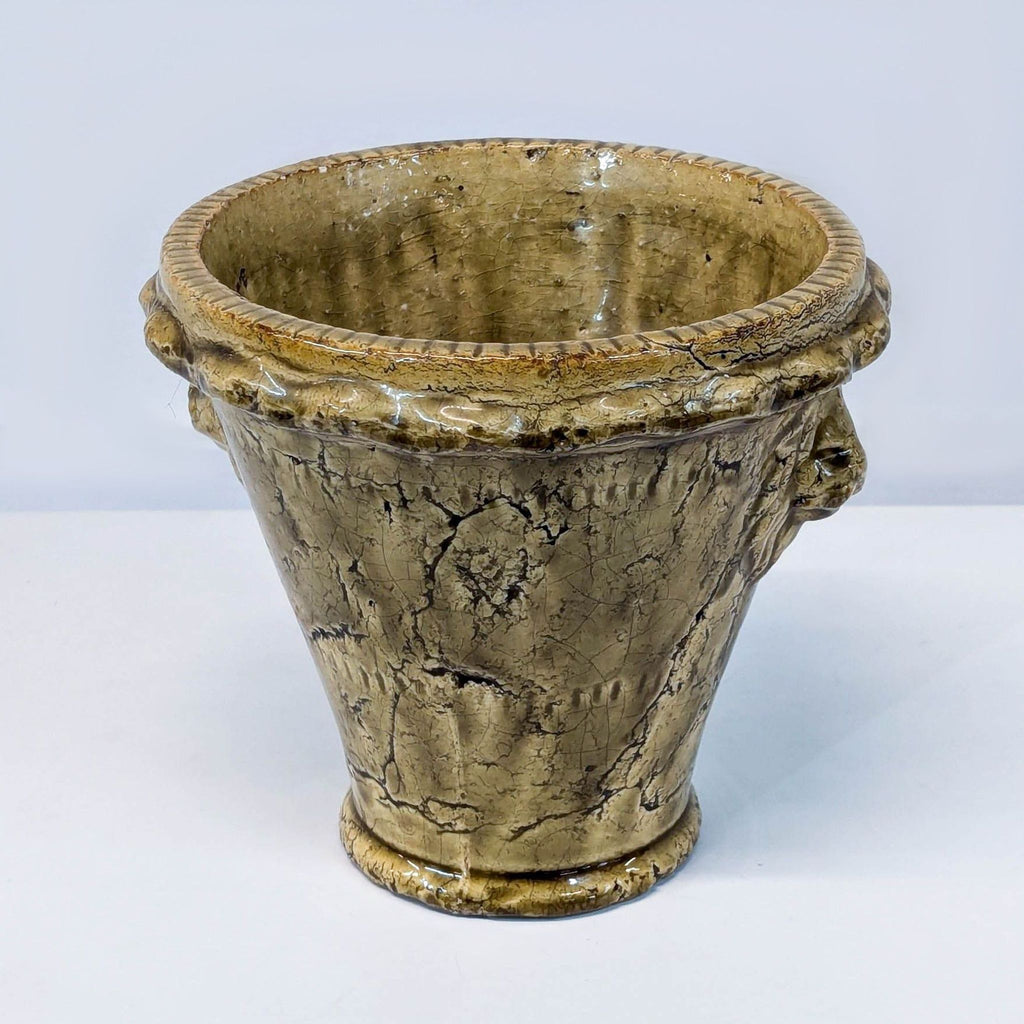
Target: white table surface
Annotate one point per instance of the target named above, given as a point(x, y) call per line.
point(171, 778)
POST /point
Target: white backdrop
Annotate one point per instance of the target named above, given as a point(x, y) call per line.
point(117, 116)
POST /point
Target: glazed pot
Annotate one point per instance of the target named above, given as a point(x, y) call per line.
point(523, 423)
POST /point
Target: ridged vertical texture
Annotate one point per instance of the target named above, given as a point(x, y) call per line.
point(521, 652)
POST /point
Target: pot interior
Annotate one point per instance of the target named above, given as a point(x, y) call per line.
point(511, 242)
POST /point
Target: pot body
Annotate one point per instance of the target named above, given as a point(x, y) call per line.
point(521, 650)
point(523, 421)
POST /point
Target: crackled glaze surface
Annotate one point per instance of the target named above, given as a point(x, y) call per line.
point(520, 463)
point(531, 894)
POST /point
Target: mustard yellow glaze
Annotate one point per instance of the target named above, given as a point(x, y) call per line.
point(523, 422)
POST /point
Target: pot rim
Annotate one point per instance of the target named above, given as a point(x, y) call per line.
point(743, 363)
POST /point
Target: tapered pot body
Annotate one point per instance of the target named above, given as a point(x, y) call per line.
point(521, 622)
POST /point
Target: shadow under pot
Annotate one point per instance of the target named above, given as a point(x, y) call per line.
point(523, 423)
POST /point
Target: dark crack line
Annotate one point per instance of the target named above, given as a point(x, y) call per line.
point(342, 631)
point(422, 808)
point(463, 678)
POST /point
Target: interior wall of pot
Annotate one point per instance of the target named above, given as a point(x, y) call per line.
point(512, 243)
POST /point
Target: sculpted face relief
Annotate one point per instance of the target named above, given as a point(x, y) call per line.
point(523, 422)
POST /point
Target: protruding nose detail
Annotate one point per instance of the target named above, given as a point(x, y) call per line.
point(871, 332)
point(166, 339)
point(835, 469)
point(164, 335)
point(204, 416)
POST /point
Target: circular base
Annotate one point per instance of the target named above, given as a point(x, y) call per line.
point(547, 894)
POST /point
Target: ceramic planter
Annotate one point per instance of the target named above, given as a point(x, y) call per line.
point(523, 423)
